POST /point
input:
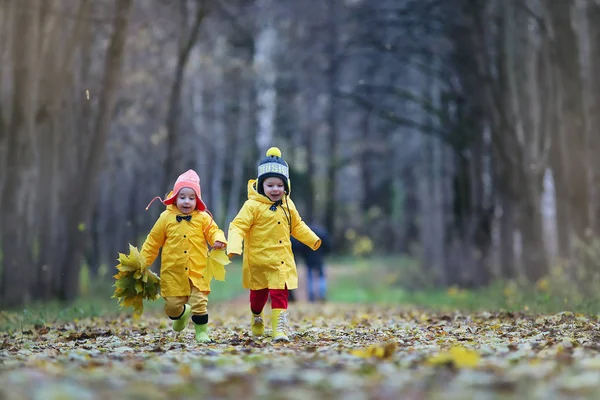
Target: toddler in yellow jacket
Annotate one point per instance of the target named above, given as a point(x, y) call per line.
point(182, 231)
point(265, 223)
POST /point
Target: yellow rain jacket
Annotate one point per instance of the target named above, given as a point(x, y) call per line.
point(184, 250)
point(268, 258)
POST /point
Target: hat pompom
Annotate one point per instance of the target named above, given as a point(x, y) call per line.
point(274, 152)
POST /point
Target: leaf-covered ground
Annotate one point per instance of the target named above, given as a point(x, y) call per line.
point(340, 351)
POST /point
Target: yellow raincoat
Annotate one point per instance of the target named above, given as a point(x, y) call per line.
point(268, 258)
point(184, 250)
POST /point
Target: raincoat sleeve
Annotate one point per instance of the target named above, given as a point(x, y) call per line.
point(238, 229)
point(154, 241)
point(302, 232)
point(212, 232)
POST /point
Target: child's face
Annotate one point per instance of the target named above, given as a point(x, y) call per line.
point(273, 188)
point(186, 200)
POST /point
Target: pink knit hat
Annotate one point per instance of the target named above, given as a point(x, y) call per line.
point(188, 179)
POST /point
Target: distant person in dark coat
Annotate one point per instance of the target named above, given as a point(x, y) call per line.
point(315, 263)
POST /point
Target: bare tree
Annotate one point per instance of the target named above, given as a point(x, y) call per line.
point(16, 244)
point(174, 159)
point(87, 182)
point(266, 76)
point(571, 137)
point(332, 71)
point(60, 65)
point(592, 38)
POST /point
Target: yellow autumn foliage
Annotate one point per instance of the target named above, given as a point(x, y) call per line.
point(379, 350)
point(215, 264)
point(135, 282)
point(362, 246)
point(456, 356)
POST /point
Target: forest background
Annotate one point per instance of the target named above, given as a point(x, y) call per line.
point(453, 143)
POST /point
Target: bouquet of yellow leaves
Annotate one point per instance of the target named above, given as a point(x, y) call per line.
point(135, 282)
point(215, 264)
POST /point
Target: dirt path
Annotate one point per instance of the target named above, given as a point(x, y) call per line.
point(337, 351)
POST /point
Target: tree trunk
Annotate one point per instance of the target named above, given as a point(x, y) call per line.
point(530, 225)
point(593, 115)
point(219, 141)
point(5, 38)
point(60, 67)
point(16, 243)
point(561, 190)
point(87, 183)
point(430, 237)
point(266, 93)
point(409, 193)
point(241, 144)
point(173, 161)
point(366, 153)
point(506, 239)
point(306, 130)
point(573, 126)
point(479, 234)
point(434, 241)
point(331, 115)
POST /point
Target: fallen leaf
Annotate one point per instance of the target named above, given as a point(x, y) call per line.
point(379, 350)
point(458, 357)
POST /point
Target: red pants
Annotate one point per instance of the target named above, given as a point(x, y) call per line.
point(258, 299)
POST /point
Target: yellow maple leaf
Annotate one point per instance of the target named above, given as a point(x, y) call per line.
point(215, 264)
point(145, 275)
point(456, 356)
point(219, 256)
point(120, 275)
point(125, 265)
point(378, 350)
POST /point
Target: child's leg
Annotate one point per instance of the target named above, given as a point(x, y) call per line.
point(279, 304)
point(279, 298)
point(177, 310)
point(199, 301)
point(258, 299)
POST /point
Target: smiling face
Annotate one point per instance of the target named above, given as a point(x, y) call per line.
point(273, 188)
point(186, 200)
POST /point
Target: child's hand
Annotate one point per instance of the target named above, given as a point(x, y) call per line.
point(231, 255)
point(219, 245)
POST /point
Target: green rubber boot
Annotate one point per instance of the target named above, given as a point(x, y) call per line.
point(202, 333)
point(181, 323)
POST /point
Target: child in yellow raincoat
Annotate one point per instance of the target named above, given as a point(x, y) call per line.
point(182, 231)
point(266, 223)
